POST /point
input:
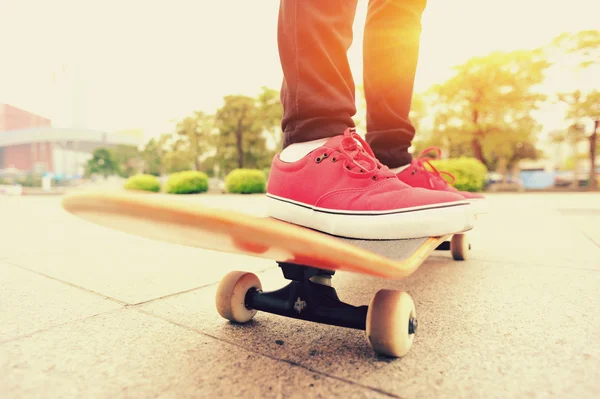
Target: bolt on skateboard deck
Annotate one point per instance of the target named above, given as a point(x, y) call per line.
point(308, 258)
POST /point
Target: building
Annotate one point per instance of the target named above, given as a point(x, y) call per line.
point(29, 144)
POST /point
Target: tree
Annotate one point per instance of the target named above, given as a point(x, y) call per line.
point(242, 133)
point(271, 113)
point(486, 107)
point(194, 136)
point(154, 152)
point(127, 158)
point(582, 108)
point(584, 46)
point(583, 103)
point(101, 163)
point(179, 161)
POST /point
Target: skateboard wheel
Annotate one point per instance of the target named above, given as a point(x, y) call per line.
point(231, 296)
point(391, 323)
point(459, 247)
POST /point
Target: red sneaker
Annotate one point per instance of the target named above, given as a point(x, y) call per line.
point(341, 189)
point(418, 175)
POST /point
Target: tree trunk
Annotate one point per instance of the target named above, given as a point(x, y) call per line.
point(477, 151)
point(575, 183)
point(503, 169)
point(240, 150)
point(593, 185)
point(475, 143)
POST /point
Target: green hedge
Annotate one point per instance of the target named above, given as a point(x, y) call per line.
point(188, 182)
point(143, 182)
point(470, 174)
point(246, 181)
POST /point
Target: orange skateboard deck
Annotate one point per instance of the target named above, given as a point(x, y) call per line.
point(307, 257)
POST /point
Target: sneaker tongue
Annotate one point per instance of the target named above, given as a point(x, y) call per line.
point(334, 142)
point(352, 148)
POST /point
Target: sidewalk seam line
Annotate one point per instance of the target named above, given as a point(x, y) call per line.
point(58, 325)
point(68, 283)
point(290, 362)
point(190, 290)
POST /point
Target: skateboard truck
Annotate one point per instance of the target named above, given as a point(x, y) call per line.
point(389, 321)
point(307, 300)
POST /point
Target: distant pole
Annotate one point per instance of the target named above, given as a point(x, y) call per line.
point(593, 181)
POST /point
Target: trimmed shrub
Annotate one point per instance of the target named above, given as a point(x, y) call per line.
point(246, 181)
point(143, 182)
point(188, 182)
point(470, 174)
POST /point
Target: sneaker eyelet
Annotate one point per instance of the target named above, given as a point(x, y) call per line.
point(324, 155)
point(362, 171)
point(347, 167)
point(333, 159)
point(318, 160)
point(374, 177)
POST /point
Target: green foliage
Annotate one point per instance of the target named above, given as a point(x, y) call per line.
point(32, 180)
point(195, 136)
point(177, 161)
point(153, 154)
point(244, 123)
point(101, 163)
point(270, 112)
point(486, 108)
point(188, 182)
point(127, 159)
point(246, 181)
point(583, 46)
point(143, 182)
point(470, 173)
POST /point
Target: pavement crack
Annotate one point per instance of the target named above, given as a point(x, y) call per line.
point(190, 290)
point(290, 362)
point(586, 235)
point(30, 334)
point(67, 283)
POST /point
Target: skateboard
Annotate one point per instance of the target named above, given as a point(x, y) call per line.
point(306, 257)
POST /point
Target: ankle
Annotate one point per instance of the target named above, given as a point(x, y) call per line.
point(399, 169)
point(296, 151)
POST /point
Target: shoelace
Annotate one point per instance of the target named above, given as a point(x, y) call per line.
point(359, 159)
point(434, 174)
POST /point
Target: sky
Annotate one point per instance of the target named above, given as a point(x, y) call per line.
point(131, 64)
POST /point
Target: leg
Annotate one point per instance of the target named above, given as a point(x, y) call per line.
point(391, 50)
point(323, 179)
point(318, 90)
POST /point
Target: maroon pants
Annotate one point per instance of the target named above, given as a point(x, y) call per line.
point(318, 91)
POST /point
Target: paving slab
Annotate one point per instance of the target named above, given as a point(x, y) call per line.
point(30, 302)
point(126, 353)
point(485, 330)
point(125, 267)
point(137, 275)
point(534, 235)
point(520, 318)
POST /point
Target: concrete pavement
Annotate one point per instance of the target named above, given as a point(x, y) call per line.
point(90, 312)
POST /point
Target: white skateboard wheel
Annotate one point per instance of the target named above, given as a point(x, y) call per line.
point(391, 323)
point(459, 247)
point(231, 296)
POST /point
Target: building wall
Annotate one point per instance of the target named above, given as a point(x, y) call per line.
point(13, 118)
point(26, 156)
point(69, 162)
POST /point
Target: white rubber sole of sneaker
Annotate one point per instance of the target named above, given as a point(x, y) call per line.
point(431, 221)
